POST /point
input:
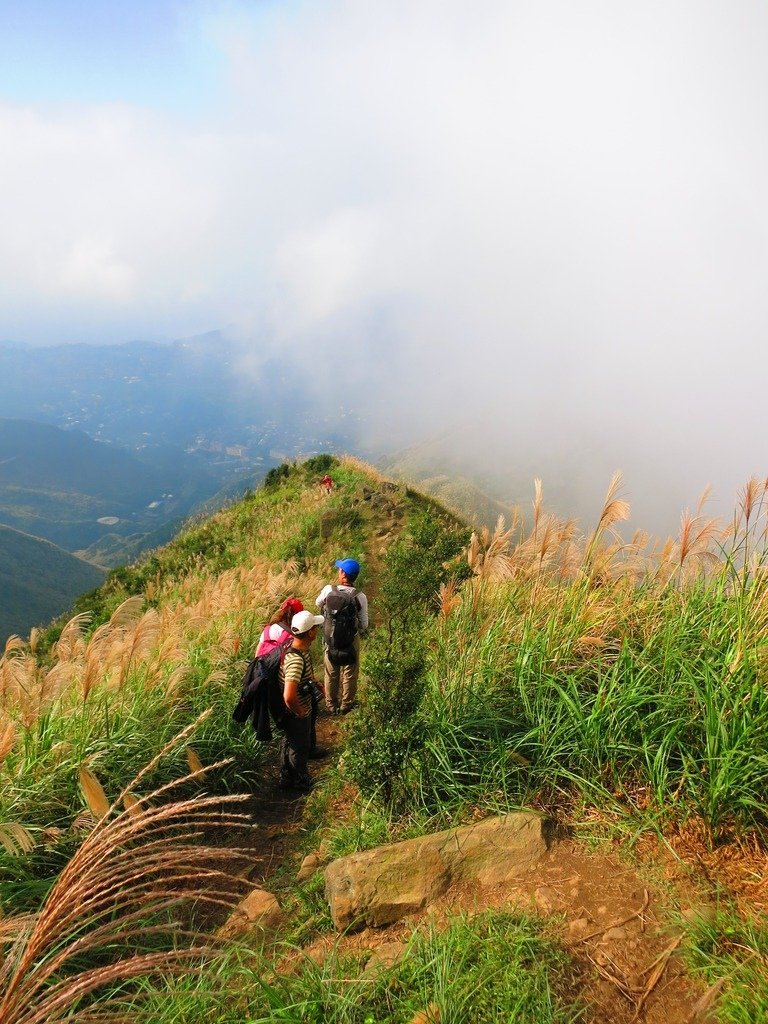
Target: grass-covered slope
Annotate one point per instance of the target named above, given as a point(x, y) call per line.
point(541, 666)
point(58, 484)
point(164, 640)
point(37, 581)
point(575, 668)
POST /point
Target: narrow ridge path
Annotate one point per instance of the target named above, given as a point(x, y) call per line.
point(278, 814)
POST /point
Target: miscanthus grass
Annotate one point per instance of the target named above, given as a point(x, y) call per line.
point(158, 644)
point(119, 910)
point(632, 673)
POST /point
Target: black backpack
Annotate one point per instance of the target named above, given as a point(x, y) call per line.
point(340, 626)
point(261, 694)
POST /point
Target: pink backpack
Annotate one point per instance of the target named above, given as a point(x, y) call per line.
point(267, 645)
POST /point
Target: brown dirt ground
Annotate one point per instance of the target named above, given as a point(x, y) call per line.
point(600, 910)
point(608, 916)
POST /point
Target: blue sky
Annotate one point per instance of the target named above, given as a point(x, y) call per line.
point(158, 53)
point(572, 193)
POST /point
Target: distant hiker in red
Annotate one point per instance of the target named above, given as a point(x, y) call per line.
point(278, 632)
point(327, 484)
point(297, 676)
point(345, 611)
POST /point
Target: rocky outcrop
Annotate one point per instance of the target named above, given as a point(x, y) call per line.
point(311, 863)
point(258, 911)
point(380, 886)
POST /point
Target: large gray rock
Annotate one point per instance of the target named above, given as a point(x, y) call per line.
point(380, 886)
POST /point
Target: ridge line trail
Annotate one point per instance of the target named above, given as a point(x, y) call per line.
point(607, 915)
point(277, 814)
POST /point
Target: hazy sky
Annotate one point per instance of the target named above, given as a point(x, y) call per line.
point(546, 220)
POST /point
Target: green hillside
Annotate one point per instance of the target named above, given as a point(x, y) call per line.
point(59, 484)
point(38, 581)
point(616, 690)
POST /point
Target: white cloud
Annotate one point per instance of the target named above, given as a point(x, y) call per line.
point(548, 218)
point(91, 270)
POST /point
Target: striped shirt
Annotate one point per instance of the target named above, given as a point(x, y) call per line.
point(297, 668)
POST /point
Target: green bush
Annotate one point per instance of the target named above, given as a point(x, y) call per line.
point(320, 464)
point(389, 727)
point(276, 476)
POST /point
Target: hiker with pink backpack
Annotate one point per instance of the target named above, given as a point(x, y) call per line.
point(281, 634)
point(278, 632)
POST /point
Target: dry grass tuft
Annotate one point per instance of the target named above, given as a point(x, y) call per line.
point(449, 598)
point(125, 885)
point(363, 467)
point(488, 553)
point(15, 839)
point(93, 793)
point(7, 739)
point(193, 760)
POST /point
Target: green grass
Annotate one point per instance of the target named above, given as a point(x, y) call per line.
point(558, 692)
point(510, 708)
point(117, 728)
point(494, 967)
point(728, 950)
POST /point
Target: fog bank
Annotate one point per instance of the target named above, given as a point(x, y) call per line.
point(544, 223)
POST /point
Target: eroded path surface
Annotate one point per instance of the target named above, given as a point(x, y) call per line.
point(604, 913)
point(278, 814)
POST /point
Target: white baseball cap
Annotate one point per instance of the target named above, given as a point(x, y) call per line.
point(302, 622)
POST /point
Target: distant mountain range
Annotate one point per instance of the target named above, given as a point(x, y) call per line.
point(193, 393)
point(38, 581)
point(63, 486)
point(106, 450)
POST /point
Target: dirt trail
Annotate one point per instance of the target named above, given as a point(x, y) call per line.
point(278, 814)
point(605, 914)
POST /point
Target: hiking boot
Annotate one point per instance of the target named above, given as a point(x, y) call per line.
point(346, 711)
point(333, 710)
point(304, 784)
point(318, 753)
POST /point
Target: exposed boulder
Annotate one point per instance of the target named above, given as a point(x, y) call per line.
point(381, 503)
point(258, 910)
point(309, 866)
point(380, 886)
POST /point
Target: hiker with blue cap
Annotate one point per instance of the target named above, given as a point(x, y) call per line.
point(345, 613)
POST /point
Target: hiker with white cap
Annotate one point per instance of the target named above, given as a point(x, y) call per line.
point(297, 676)
point(345, 611)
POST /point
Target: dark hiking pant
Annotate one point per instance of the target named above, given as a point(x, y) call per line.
point(313, 722)
point(295, 748)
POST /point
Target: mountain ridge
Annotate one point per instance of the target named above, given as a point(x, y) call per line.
point(38, 581)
